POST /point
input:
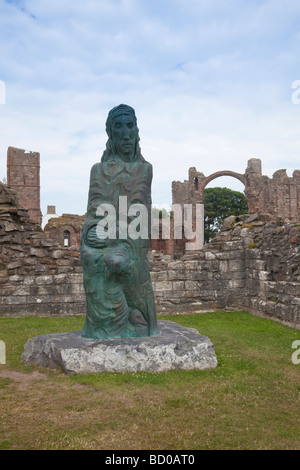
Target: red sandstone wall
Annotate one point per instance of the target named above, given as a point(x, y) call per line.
point(23, 176)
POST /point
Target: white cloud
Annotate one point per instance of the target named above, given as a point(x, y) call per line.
point(210, 82)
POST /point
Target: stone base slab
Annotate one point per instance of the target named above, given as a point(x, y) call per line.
point(175, 347)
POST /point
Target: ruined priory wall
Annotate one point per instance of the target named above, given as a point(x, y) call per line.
point(273, 272)
point(205, 280)
point(23, 175)
point(252, 264)
point(38, 277)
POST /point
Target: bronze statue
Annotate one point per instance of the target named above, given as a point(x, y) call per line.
point(119, 294)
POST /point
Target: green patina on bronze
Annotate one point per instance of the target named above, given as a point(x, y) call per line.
point(116, 277)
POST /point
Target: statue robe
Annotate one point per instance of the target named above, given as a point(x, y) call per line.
point(116, 277)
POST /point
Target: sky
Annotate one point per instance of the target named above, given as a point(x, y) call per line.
point(213, 83)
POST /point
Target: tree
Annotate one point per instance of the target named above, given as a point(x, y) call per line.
point(220, 203)
point(159, 213)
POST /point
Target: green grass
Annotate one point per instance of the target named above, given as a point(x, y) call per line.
point(250, 401)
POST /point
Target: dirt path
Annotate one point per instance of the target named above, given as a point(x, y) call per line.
point(22, 377)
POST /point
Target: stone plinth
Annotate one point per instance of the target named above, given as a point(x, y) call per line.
point(176, 347)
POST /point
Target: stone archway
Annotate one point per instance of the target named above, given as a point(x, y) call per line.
point(278, 196)
point(202, 181)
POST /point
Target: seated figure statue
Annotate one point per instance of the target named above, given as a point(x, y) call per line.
point(116, 277)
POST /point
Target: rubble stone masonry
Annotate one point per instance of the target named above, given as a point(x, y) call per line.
point(252, 264)
point(279, 195)
point(38, 276)
point(23, 175)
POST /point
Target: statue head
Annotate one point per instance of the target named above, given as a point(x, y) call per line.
point(123, 134)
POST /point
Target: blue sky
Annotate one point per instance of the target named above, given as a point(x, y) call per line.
point(210, 80)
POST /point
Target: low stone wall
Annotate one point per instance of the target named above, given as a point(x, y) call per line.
point(45, 295)
point(37, 275)
point(252, 264)
point(211, 279)
point(273, 272)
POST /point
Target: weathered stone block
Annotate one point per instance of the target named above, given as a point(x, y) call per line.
point(154, 276)
point(191, 265)
point(209, 255)
point(49, 289)
point(253, 253)
point(15, 299)
point(47, 279)
point(162, 276)
point(75, 278)
point(64, 270)
point(174, 275)
point(235, 265)
point(163, 285)
point(11, 226)
point(292, 288)
point(236, 284)
point(223, 265)
point(259, 264)
point(200, 276)
point(40, 268)
point(224, 255)
point(14, 264)
point(38, 252)
point(22, 290)
point(70, 289)
point(263, 275)
point(16, 278)
point(58, 254)
point(62, 262)
point(46, 242)
point(38, 299)
point(30, 261)
point(73, 254)
point(60, 278)
point(238, 275)
point(29, 280)
point(176, 347)
point(191, 285)
point(178, 285)
point(5, 239)
point(176, 265)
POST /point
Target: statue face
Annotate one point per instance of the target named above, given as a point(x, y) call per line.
point(124, 135)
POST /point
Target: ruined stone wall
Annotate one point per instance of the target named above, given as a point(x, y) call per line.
point(204, 280)
point(252, 264)
point(69, 224)
point(38, 276)
point(186, 193)
point(23, 175)
point(279, 195)
point(273, 271)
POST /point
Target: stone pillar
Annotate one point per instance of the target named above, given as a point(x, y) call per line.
point(23, 175)
point(254, 185)
point(254, 167)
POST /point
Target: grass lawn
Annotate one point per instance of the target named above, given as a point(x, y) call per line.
point(250, 401)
